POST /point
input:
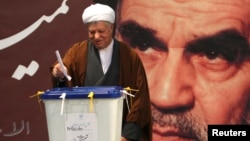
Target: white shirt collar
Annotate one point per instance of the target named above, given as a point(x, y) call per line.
point(106, 56)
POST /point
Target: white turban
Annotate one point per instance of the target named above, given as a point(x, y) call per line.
point(98, 12)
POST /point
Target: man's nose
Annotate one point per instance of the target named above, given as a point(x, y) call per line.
point(96, 35)
point(176, 78)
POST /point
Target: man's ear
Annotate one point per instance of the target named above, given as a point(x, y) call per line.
point(118, 35)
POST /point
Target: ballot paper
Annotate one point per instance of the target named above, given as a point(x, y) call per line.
point(59, 59)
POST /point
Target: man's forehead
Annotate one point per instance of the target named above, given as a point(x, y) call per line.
point(190, 16)
point(158, 3)
point(186, 8)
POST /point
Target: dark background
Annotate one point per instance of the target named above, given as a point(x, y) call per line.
point(38, 47)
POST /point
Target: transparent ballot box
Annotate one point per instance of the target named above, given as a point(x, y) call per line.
point(84, 113)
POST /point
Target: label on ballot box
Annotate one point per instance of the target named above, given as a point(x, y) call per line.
point(84, 113)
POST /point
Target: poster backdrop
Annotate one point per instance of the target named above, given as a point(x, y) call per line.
point(30, 32)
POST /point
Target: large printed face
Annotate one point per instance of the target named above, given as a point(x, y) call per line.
point(196, 56)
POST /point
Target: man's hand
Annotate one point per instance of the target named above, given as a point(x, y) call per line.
point(57, 71)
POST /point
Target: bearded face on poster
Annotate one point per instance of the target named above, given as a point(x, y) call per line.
point(196, 56)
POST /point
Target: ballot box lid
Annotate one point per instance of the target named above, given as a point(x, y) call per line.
point(83, 92)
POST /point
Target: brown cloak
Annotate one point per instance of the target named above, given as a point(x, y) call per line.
point(132, 74)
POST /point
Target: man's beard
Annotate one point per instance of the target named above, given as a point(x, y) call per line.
point(181, 119)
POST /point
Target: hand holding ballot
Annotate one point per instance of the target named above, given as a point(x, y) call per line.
point(58, 71)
